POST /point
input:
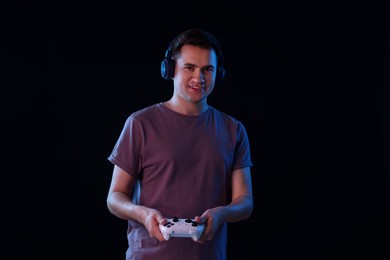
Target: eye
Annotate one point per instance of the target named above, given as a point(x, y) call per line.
point(208, 69)
point(189, 67)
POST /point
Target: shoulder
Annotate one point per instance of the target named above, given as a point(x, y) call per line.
point(224, 116)
point(143, 115)
point(147, 110)
point(229, 121)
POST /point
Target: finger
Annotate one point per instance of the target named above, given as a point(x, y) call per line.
point(162, 220)
point(201, 220)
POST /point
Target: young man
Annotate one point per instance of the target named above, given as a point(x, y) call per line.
point(182, 158)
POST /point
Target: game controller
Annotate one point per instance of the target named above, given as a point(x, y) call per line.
point(180, 227)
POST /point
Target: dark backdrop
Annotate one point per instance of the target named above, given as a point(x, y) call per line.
point(309, 81)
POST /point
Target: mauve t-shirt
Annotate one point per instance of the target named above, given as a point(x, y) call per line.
point(184, 166)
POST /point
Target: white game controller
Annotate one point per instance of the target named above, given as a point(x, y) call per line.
point(180, 227)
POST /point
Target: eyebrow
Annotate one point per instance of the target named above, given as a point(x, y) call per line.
point(193, 65)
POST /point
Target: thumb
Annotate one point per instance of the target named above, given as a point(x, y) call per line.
point(161, 220)
point(201, 219)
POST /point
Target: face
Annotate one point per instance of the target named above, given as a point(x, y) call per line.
point(195, 73)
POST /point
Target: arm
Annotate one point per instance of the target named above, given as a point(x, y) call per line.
point(240, 207)
point(119, 203)
point(242, 199)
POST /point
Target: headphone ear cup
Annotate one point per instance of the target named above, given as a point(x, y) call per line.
point(220, 74)
point(167, 68)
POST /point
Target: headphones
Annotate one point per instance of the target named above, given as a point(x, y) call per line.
point(168, 66)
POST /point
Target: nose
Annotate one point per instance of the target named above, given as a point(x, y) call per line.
point(199, 76)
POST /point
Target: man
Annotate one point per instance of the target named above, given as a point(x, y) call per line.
point(182, 158)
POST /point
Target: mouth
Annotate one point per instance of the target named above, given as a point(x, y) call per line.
point(196, 86)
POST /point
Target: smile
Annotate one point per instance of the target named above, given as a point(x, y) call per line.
point(197, 87)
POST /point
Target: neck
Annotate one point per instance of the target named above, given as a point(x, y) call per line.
point(186, 108)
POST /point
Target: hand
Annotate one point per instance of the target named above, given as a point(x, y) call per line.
point(211, 219)
point(151, 222)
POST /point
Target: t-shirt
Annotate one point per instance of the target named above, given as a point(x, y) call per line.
point(183, 165)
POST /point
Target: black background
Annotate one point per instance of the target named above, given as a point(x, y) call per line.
point(309, 81)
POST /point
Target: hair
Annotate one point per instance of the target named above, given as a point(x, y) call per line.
point(197, 37)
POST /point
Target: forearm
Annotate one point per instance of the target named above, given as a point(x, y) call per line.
point(120, 205)
point(239, 209)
